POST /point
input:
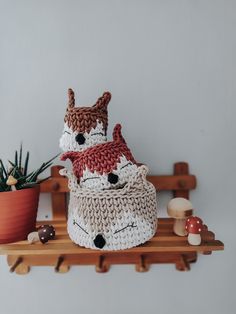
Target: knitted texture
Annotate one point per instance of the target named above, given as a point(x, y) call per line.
point(68, 141)
point(84, 126)
point(112, 219)
point(104, 166)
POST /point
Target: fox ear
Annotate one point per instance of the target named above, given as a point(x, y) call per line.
point(117, 136)
point(103, 102)
point(69, 155)
point(71, 99)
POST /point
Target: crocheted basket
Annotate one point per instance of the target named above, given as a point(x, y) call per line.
point(84, 126)
point(104, 166)
point(112, 219)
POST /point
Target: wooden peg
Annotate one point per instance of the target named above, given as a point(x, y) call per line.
point(207, 253)
point(182, 264)
point(55, 186)
point(17, 262)
point(17, 265)
point(181, 168)
point(142, 267)
point(100, 267)
point(22, 269)
point(182, 184)
point(58, 264)
point(60, 268)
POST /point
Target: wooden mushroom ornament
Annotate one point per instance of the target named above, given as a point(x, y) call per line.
point(43, 234)
point(11, 181)
point(194, 227)
point(180, 209)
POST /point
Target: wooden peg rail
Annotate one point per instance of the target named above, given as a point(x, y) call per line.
point(164, 248)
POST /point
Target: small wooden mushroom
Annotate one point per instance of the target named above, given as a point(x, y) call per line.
point(180, 208)
point(194, 227)
point(11, 181)
point(43, 234)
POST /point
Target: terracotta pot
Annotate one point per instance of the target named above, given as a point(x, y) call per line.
point(18, 213)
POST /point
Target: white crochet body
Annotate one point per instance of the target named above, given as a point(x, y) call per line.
point(95, 136)
point(93, 180)
point(125, 217)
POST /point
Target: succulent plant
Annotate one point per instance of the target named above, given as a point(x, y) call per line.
point(16, 177)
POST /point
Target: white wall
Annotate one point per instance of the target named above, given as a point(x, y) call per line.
point(170, 66)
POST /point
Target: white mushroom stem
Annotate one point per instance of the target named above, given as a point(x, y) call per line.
point(180, 209)
point(179, 227)
point(11, 181)
point(194, 239)
point(33, 237)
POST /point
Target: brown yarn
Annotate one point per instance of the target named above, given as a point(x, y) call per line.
point(83, 119)
point(71, 96)
point(102, 158)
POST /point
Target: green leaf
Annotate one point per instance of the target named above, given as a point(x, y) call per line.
point(16, 169)
point(26, 164)
point(42, 180)
point(27, 185)
point(46, 166)
point(43, 167)
point(3, 168)
point(16, 158)
point(20, 158)
point(24, 180)
point(35, 174)
point(54, 157)
point(17, 172)
point(3, 187)
point(1, 175)
point(12, 164)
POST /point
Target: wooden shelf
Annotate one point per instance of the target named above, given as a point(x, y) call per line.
point(164, 247)
point(61, 253)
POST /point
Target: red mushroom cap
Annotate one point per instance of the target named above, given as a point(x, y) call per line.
point(194, 225)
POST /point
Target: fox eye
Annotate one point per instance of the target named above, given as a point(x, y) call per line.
point(89, 179)
point(76, 223)
point(128, 164)
point(67, 132)
point(98, 133)
point(131, 225)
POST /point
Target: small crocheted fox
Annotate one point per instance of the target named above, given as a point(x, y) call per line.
point(104, 166)
point(84, 126)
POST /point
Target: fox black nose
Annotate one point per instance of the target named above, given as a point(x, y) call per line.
point(99, 241)
point(80, 139)
point(113, 178)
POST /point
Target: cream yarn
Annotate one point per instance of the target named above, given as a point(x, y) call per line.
point(112, 219)
point(93, 180)
point(92, 137)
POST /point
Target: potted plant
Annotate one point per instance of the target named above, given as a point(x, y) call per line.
point(19, 196)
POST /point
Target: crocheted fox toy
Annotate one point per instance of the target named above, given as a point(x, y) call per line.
point(112, 219)
point(84, 126)
point(104, 166)
point(112, 205)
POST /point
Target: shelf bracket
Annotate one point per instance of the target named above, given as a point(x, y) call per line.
point(101, 267)
point(60, 268)
point(17, 262)
point(182, 264)
point(19, 267)
point(142, 267)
